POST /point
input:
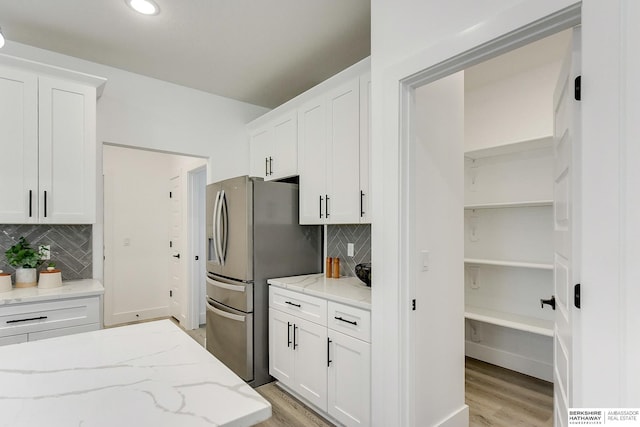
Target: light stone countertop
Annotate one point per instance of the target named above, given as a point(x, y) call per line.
point(69, 289)
point(346, 290)
point(149, 374)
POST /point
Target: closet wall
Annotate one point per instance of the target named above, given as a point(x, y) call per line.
point(508, 209)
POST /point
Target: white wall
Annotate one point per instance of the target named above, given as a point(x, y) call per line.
point(511, 110)
point(411, 35)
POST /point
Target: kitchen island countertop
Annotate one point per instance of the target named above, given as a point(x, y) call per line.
point(149, 374)
point(347, 290)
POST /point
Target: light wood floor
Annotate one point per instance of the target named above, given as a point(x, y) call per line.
point(503, 398)
point(287, 411)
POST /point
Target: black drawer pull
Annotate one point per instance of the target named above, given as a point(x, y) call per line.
point(345, 320)
point(293, 304)
point(26, 320)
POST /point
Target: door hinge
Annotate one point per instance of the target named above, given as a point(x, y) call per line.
point(576, 295)
point(170, 294)
point(170, 244)
point(577, 88)
point(170, 194)
point(413, 304)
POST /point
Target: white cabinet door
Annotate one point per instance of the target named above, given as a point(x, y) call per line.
point(310, 361)
point(67, 152)
point(19, 146)
point(343, 145)
point(281, 346)
point(349, 382)
point(365, 149)
point(259, 147)
point(283, 159)
point(312, 161)
point(13, 339)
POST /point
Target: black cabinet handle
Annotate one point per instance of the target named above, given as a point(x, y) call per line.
point(266, 167)
point(270, 165)
point(346, 321)
point(551, 301)
point(176, 256)
point(295, 344)
point(320, 204)
point(293, 304)
point(326, 205)
point(361, 203)
point(30, 203)
point(26, 320)
point(329, 352)
point(45, 203)
point(288, 334)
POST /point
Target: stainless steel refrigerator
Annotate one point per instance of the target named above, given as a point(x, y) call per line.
point(252, 235)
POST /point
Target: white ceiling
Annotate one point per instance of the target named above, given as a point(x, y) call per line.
point(257, 51)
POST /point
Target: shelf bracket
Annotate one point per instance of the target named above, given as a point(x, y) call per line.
point(472, 274)
point(473, 175)
point(473, 227)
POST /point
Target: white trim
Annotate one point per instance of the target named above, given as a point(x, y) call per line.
point(460, 418)
point(402, 80)
point(515, 362)
point(196, 200)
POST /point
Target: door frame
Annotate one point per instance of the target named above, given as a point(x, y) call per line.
point(196, 203)
point(410, 77)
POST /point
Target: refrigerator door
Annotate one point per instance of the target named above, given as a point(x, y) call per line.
point(234, 229)
point(230, 338)
point(213, 203)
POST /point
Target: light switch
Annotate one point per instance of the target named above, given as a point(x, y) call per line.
point(425, 260)
point(349, 249)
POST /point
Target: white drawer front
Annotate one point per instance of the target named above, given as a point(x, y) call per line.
point(36, 317)
point(304, 306)
point(351, 321)
point(52, 333)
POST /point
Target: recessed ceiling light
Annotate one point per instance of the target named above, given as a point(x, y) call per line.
point(146, 7)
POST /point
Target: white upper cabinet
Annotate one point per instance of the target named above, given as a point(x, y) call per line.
point(67, 152)
point(19, 146)
point(329, 144)
point(48, 142)
point(274, 148)
point(365, 149)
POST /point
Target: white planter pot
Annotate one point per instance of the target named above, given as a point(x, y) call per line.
point(26, 277)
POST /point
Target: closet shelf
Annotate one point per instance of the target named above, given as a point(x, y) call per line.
point(539, 266)
point(508, 320)
point(516, 147)
point(500, 205)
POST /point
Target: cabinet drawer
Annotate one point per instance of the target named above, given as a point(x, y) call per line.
point(304, 306)
point(351, 321)
point(36, 317)
point(52, 333)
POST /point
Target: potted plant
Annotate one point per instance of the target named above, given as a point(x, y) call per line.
point(25, 259)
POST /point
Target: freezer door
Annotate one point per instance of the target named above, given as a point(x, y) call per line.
point(232, 293)
point(236, 229)
point(230, 338)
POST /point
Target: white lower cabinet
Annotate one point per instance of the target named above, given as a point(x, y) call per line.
point(328, 366)
point(349, 381)
point(48, 319)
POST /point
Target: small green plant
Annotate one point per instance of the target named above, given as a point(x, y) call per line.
point(51, 265)
point(23, 255)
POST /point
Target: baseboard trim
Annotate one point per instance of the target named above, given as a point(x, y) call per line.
point(133, 316)
point(515, 362)
point(317, 410)
point(459, 418)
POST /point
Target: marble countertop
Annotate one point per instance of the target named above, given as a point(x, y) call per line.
point(70, 289)
point(346, 290)
point(149, 374)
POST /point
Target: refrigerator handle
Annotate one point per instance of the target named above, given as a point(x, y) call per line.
point(219, 229)
point(230, 316)
point(225, 226)
point(215, 227)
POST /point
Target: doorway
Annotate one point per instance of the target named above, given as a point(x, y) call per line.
point(435, 234)
point(144, 207)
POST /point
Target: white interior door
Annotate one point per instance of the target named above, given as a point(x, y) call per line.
point(175, 256)
point(566, 146)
